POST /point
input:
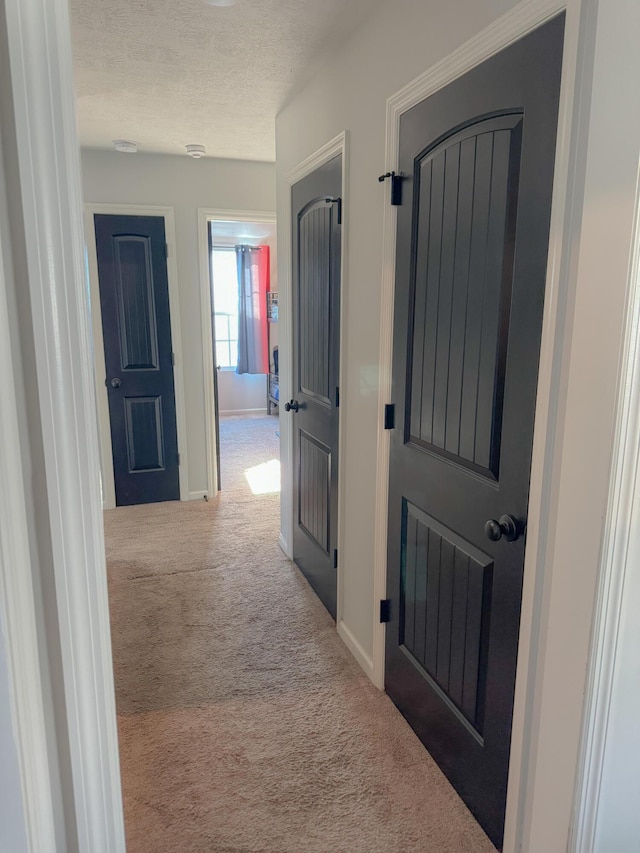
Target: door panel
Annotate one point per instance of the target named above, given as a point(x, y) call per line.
point(134, 299)
point(136, 303)
point(445, 612)
point(316, 313)
point(467, 187)
point(315, 490)
point(471, 258)
point(314, 288)
point(145, 439)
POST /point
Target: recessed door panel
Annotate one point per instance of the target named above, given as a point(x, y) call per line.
point(314, 305)
point(136, 303)
point(315, 489)
point(461, 287)
point(145, 441)
point(445, 611)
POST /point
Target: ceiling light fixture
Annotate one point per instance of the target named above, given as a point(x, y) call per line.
point(196, 151)
point(220, 2)
point(125, 146)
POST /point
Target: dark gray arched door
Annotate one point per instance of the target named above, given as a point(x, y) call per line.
point(316, 240)
point(471, 262)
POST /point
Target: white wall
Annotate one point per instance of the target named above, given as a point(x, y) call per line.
point(400, 40)
point(185, 185)
point(246, 392)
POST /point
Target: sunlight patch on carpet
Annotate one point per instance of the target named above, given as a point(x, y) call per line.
point(264, 479)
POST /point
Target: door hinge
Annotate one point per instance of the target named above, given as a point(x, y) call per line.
point(337, 397)
point(335, 559)
point(173, 359)
point(385, 610)
point(166, 251)
point(389, 416)
point(338, 202)
point(178, 456)
point(396, 186)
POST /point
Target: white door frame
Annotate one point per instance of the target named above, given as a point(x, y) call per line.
point(48, 206)
point(620, 561)
point(17, 594)
point(102, 397)
point(339, 145)
point(205, 216)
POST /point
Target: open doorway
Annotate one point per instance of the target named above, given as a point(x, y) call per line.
point(243, 358)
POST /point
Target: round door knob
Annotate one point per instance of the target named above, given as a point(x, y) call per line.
point(506, 526)
point(116, 383)
point(292, 406)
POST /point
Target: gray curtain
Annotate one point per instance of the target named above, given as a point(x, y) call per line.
point(252, 310)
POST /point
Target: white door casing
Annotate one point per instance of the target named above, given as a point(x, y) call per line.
point(41, 83)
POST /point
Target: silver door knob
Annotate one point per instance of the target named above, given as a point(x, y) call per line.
point(116, 383)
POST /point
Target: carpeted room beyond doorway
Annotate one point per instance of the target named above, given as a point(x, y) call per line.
point(245, 725)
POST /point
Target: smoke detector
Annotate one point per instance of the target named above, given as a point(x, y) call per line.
point(196, 151)
point(220, 2)
point(125, 146)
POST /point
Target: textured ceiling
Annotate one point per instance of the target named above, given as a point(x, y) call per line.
point(166, 73)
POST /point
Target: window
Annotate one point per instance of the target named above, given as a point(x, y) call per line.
point(225, 303)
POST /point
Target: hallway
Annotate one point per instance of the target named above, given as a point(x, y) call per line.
point(244, 723)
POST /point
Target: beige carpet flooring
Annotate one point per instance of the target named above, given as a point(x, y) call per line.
point(245, 725)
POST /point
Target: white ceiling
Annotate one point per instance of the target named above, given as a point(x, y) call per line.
point(166, 73)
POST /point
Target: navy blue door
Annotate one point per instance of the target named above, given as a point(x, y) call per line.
point(134, 299)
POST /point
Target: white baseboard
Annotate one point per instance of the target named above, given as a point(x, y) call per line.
point(198, 496)
point(356, 650)
point(242, 412)
point(282, 542)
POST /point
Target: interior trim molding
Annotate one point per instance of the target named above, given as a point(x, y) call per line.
point(365, 660)
point(285, 547)
point(17, 604)
point(338, 145)
point(512, 26)
point(40, 60)
point(206, 215)
point(318, 158)
point(104, 427)
point(260, 411)
point(617, 562)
